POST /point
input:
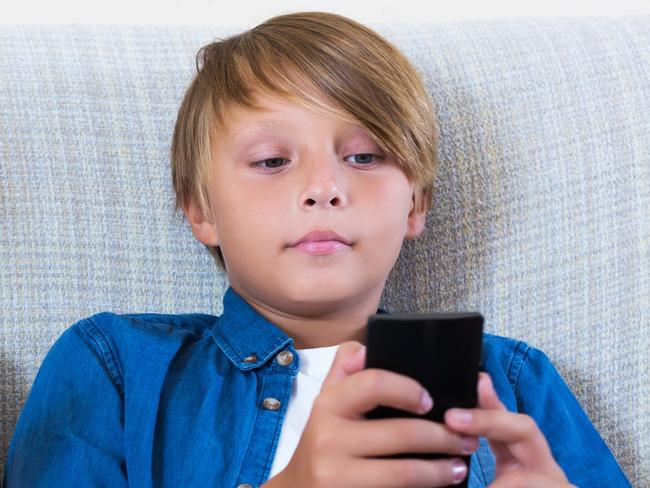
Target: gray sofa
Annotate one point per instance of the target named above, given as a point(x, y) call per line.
point(541, 218)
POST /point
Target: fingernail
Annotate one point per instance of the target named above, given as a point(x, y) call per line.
point(458, 471)
point(468, 444)
point(487, 384)
point(460, 416)
point(426, 402)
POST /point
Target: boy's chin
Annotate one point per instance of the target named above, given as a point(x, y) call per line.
point(319, 297)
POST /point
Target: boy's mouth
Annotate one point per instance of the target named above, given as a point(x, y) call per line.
point(321, 242)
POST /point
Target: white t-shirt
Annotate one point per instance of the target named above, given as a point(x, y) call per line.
point(314, 366)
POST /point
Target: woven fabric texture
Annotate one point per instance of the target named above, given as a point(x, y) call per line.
point(541, 218)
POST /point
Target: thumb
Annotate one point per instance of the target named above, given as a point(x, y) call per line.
point(350, 358)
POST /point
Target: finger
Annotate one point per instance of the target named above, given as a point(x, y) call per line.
point(415, 473)
point(487, 397)
point(519, 478)
point(494, 424)
point(383, 437)
point(370, 388)
point(525, 441)
point(350, 358)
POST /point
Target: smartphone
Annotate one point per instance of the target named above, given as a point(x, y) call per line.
point(442, 351)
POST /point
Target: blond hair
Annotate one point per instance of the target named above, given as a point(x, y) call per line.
point(323, 61)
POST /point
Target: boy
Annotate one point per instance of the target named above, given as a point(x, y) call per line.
point(304, 153)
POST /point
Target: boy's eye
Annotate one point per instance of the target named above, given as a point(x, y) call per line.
point(269, 163)
point(273, 163)
point(363, 158)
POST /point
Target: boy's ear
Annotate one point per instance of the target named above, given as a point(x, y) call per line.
point(416, 218)
point(202, 227)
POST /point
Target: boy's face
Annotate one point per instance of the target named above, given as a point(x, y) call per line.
point(283, 172)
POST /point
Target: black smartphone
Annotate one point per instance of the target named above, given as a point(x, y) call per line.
point(442, 351)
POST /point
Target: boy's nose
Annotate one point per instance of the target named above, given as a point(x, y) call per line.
point(323, 193)
point(323, 189)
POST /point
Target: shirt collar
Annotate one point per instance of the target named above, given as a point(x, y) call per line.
point(246, 336)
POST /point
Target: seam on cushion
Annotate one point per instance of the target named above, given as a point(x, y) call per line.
point(105, 351)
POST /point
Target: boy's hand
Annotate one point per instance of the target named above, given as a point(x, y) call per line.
point(337, 442)
point(522, 455)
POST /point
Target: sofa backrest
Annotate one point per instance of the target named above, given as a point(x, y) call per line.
point(541, 215)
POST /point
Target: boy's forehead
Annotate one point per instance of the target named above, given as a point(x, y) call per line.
point(270, 113)
point(261, 113)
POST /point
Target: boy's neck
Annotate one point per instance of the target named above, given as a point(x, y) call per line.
point(345, 323)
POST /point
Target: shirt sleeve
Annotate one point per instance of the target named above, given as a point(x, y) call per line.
point(70, 430)
point(574, 441)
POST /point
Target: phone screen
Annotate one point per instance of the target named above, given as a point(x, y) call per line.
point(442, 351)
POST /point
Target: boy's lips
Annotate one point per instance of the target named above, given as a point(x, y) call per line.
point(321, 242)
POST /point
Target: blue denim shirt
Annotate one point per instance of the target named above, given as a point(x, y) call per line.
point(162, 400)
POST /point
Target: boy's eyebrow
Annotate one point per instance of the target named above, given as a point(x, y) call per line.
point(253, 128)
point(274, 124)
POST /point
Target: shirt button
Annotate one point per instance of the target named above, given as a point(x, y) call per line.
point(271, 403)
point(285, 358)
point(244, 485)
point(251, 358)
